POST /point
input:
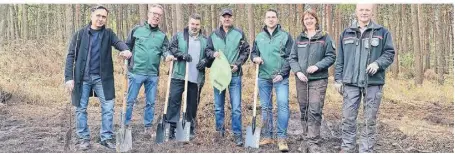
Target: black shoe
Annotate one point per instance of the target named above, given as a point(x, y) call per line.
point(84, 145)
point(192, 134)
point(238, 140)
point(172, 133)
point(108, 144)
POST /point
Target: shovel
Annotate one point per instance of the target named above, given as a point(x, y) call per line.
point(124, 140)
point(162, 130)
point(183, 126)
point(253, 132)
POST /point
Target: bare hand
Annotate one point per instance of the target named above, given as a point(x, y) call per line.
point(277, 78)
point(258, 60)
point(312, 69)
point(339, 87)
point(69, 85)
point(234, 68)
point(302, 77)
point(216, 54)
point(126, 54)
point(170, 58)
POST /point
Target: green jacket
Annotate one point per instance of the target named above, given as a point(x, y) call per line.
point(354, 55)
point(148, 44)
point(317, 50)
point(274, 50)
point(179, 44)
point(233, 44)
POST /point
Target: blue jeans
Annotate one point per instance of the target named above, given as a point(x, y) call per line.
point(235, 92)
point(265, 96)
point(134, 85)
point(107, 110)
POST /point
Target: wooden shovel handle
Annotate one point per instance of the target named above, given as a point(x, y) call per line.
point(171, 66)
point(256, 89)
point(186, 87)
point(125, 86)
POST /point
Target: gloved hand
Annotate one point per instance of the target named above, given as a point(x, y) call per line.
point(202, 64)
point(184, 57)
point(339, 87)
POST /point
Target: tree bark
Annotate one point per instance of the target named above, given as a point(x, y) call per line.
point(415, 29)
point(439, 44)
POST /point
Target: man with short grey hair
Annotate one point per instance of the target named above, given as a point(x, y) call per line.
point(365, 50)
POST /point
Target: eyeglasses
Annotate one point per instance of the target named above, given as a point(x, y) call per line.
point(156, 14)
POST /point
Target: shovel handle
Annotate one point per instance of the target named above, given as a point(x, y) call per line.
point(256, 90)
point(125, 87)
point(185, 92)
point(171, 66)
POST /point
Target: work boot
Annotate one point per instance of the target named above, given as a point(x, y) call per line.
point(266, 141)
point(108, 144)
point(238, 140)
point(84, 145)
point(314, 148)
point(283, 145)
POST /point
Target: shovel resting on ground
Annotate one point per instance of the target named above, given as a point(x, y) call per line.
point(253, 132)
point(162, 130)
point(183, 126)
point(124, 140)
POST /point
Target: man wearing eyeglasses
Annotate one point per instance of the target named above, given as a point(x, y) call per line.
point(89, 68)
point(148, 43)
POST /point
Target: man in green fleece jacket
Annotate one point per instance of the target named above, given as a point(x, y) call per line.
point(148, 43)
point(271, 49)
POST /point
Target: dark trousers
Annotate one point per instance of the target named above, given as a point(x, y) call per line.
point(175, 102)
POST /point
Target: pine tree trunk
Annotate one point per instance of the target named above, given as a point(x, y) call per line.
point(142, 13)
point(24, 27)
point(416, 44)
point(250, 24)
point(439, 45)
point(213, 19)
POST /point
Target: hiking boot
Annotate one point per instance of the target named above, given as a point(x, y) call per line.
point(314, 148)
point(238, 140)
point(84, 145)
point(108, 144)
point(283, 145)
point(266, 141)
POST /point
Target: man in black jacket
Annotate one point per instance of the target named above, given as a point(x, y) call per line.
point(89, 67)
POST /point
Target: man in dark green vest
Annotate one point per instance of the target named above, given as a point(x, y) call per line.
point(232, 43)
point(188, 47)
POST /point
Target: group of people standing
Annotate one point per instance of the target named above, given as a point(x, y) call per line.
point(364, 52)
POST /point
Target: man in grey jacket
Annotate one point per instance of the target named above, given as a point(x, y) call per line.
point(365, 50)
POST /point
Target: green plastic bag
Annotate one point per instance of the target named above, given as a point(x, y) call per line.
point(220, 73)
